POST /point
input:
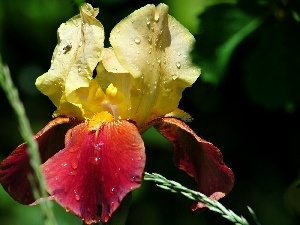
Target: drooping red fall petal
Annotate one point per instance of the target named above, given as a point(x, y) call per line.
point(198, 158)
point(15, 169)
point(96, 169)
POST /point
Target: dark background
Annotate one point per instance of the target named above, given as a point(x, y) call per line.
point(246, 102)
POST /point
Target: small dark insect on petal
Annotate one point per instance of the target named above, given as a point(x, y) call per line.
point(67, 48)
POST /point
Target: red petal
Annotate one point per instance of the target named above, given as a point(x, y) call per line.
point(14, 170)
point(95, 171)
point(198, 158)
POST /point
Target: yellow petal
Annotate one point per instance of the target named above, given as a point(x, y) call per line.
point(180, 114)
point(80, 42)
point(155, 49)
point(117, 82)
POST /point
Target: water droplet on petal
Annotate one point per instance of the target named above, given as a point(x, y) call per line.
point(112, 191)
point(178, 53)
point(64, 164)
point(73, 172)
point(95, 160)
point(77, 197)
point(178, 65)
point(112, 204)
point(156, 16)
point(75, 164)
point(137, 40)
point(148, 22)
point(134, 179)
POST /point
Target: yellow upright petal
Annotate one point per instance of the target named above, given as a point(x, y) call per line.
point(80, 42)
point(154, 48)
point(110, 74)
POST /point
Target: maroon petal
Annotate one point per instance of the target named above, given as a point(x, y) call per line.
point(198, 158)
point(96, 169)
point(15, 169)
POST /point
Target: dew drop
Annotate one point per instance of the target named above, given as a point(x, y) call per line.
point(97, 146)
point(178, 65)
point(95, 160)
point(156, 16)
point(80, 44)
point(133, 179)
point(52, 67)
point(148, 22)
point(64, 164)
point(178, 53)
point(131, 43)
point(112, 204)
point(73, 173)
point(67, 209)
point(75, 164)
point(77, 197)
point(137, 40)
point(79, 69)
point(112, 191)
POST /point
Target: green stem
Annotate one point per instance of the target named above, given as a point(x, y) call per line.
point(27, 134)
point(213, 205)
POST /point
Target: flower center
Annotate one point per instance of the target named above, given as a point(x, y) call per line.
point(99, 119)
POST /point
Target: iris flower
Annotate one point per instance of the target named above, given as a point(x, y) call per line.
point(92, 151)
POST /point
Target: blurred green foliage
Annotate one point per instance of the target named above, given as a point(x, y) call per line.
point(246, 102)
